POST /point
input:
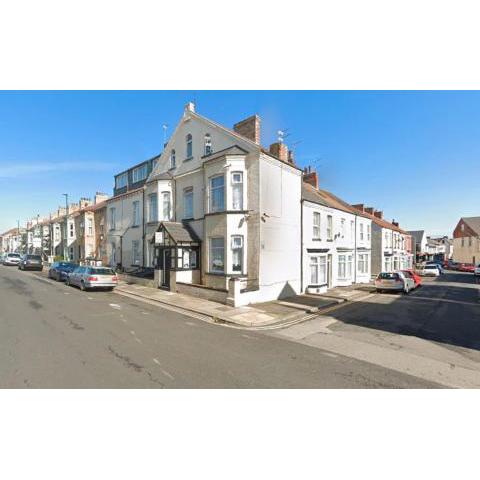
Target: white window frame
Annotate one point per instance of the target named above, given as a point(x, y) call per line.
point(369, 233)
point(237, 248)
point(342, 267)
point(139, 173)
point(166, 206)
point(153, 207)
point(363, 263)
point(318, 270)
point(329, 227)
point(213, 209)
point(208, 150)
point(361, 232)
point(342, 227)
point(188, 146)
point(135, 252)
point(136, 213)
point(237, 185)
point(316, 225)
point(219, 248)
point(188, 194)
point(121, 180)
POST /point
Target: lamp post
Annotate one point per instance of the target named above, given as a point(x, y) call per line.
point(65, 244)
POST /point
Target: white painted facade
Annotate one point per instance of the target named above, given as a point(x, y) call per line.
point(336, 247)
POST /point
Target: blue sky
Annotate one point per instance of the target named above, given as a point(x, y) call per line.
point(414, 155)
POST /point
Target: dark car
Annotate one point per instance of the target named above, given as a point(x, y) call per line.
point(31, 262)
point(60, 270)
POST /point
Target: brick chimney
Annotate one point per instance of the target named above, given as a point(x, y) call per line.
point(84, 202)
point(378, 214)
point(279, 150)
point(369, 210)
point(100, 197)
point(249, 128)
point(310, 176)
point(360, 207)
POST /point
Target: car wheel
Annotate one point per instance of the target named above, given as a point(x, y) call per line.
point(83, 288)
point(379, 290)
point(406, 290)
point(67, 282)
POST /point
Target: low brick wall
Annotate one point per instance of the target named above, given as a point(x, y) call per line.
point(146, 282)
point(200, 291)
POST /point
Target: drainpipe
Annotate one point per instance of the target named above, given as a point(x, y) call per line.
point(301, 245)
point(355, 246)
point(143, 227)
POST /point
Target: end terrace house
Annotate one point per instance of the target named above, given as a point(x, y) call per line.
point(336, 240)
point(224, 213)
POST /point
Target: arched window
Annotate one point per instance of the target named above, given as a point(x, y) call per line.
point(189, 146)
point(173, 160)
point(208, 144)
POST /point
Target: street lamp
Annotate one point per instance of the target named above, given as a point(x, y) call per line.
point(65, 244)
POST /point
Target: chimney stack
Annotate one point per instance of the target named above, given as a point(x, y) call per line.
point(395, 223)
point(100, 197)
point(249, 128)
point(291, 157)
point(310, 177)
point(369, 210)
point(378, 214)
point(360, 207)
point(279, 150)
point(190, 107)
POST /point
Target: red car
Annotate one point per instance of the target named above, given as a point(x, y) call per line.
point(467, 267)
point(416, 278)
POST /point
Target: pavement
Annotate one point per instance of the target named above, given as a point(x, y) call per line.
point(432, 333)
point(280, 312)
point(54, 336)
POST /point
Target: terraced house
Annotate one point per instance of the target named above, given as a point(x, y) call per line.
point(336, 240)
point(392, 247)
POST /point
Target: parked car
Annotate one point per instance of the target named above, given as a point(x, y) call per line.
point(394, 281)
point(60, 270)
point(451, 265)
point(416, 278)
point(92, 277)
point(428, 271)
point(12, 259)
point(438, 264)
point(476, 272)
point(467, 267)
point(31, 262)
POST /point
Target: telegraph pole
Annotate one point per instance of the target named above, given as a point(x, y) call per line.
point(65, 244)
point(18, 235)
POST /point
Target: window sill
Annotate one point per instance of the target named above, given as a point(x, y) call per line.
point(316, 239)
point(188, 159)
point(135, 226)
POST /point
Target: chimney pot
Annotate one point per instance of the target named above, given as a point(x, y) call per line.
point(311, 178)
point(190, 107)
point(369, 210)
point(378, 214)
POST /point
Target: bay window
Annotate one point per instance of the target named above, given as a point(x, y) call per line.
point(237, 253)
point(342, 266)
point(237, 191)
point(152, 207)
point(363, 263)
point(217, 255)
point(217, 194)
point(166, 205)
point(318, 270)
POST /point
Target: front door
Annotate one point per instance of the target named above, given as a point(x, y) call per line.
point(166, 268)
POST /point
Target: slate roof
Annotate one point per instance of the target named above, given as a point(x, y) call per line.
point(180, 233)
point(417, 235)
point(473, 223)
point(327, 199)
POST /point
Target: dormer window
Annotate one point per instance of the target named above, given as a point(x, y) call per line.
point(189, 146)
point(173, 160)
point(208, 144)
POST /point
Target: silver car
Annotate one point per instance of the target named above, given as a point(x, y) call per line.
point(93, 277)
point(12, 259)
point(394, 281)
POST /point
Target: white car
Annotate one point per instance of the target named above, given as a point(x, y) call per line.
point(394, 281)
point(428, 271)
point(476, 272)
point(12, 259)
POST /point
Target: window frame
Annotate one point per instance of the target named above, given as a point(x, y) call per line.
point(188, 146)
point(136, 213)
point(140, 173)
point(153, 212)
point(211, 249)
point(330, 227)
point(319, 262)
point(166, 195)
point(187, 193)
point(122, 176)
point(207, 144)
point(211, 208)
point(316, 226)
point(237, 186)
point(239, 249)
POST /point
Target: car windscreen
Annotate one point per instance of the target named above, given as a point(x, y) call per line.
point(101, 271)
point(34, 257)
point(387, 276)
point(14, 255)
point(67, 266)
point(431, 267)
